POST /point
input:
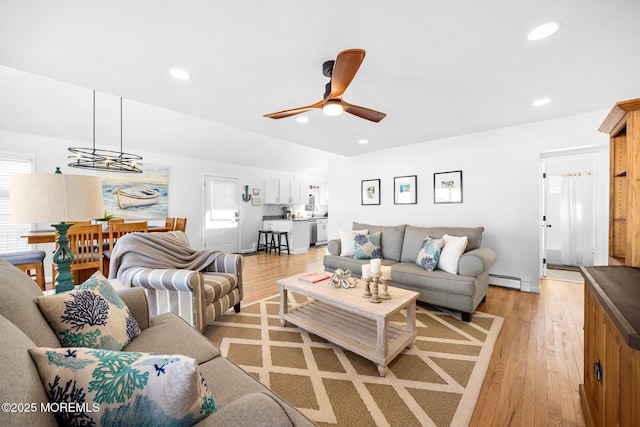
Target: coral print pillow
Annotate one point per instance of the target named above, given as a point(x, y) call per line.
point(367, 246)
point(429, 253)
point(113, 388)
point(92, 315)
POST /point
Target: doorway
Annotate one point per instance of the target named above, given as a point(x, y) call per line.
point(572, 209)
point(221, 214)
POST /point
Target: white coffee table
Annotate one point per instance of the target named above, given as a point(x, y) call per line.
point(342, 316)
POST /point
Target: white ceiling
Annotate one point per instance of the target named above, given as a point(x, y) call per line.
point(437, 69)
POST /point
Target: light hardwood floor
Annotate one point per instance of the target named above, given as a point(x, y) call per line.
point(536, 366)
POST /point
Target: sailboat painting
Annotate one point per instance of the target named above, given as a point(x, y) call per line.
point(142, 196)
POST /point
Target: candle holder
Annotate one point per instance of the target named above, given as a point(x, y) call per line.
point(367, 290)
point(374, 289)
point(384, 285)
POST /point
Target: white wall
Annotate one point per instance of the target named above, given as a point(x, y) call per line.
point(500, 178)
point(185, 182)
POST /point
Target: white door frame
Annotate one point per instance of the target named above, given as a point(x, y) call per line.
point(600, 154)
point(204, 200)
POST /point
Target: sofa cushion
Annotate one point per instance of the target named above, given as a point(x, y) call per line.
point(429, 253)
point(437, 280)
point(367, 246)
point(232, 382)
point(92, 315)
point(414, 236)
point(391, 238)
point(123, 388)
point(170, 333)
point(21, 308)
point(220, 283)
point(453, 248)
point(20, 381)
point(347, 244)
point(250, 410)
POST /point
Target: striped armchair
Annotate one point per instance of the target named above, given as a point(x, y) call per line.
point(199, 297)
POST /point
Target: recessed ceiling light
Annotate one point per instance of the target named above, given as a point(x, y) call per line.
point(541, 101)
point(363, 141)
point(179, 74)
point(543, 31)
point(302, 119)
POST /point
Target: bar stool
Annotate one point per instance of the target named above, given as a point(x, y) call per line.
point(279, 246)
point(266, 246)
point(27, 261)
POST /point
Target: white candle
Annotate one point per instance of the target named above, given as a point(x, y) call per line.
point(366, 271)
point(386, 272)
point(375, 266)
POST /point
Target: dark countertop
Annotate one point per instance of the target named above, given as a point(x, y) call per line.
point(618, 290)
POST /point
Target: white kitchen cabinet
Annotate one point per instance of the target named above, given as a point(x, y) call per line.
point(322, 231)
point(323, 194)
point(272, 191)
point(294, 192)
point(297, 233)
point(282, 192)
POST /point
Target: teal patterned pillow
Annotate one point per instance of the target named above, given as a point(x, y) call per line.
point(367, 246)
point(92, 315)
point(109, 388)
point(429, 253)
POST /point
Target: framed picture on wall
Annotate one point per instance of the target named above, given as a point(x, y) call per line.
point(447, 187)
point(370, 192)
point(405, 190)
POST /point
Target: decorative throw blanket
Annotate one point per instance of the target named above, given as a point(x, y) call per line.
point(137, 251)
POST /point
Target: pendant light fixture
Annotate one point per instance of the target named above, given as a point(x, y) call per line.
point(105, 160)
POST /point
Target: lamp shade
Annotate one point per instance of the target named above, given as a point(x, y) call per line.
point(54, 197)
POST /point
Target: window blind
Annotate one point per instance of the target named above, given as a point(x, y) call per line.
point(10, 240)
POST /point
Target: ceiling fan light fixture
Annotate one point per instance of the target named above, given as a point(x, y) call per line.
point(333, 107)
point(302, 119)
point(543, 31)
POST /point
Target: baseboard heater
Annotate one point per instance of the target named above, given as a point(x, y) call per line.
point(505, 281)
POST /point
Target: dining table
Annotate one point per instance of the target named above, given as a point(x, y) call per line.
point(49, 236)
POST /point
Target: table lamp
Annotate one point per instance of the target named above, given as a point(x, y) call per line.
point(56, 198)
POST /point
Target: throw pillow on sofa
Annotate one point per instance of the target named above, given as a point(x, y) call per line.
point(367, 246)
point(429, 253)
point(451, 252)
point(104, 387)
point(346, 241)
point(92, 315)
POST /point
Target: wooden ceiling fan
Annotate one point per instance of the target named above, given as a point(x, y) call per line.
point(341, 72)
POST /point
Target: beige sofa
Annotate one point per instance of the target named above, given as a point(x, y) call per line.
point(241, 400)
point(400, 245)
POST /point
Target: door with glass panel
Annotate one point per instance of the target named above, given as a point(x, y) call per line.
point(221, 214)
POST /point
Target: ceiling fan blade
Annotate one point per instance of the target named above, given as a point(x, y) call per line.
point(365, 113)
point(344, 70)
point(294, 111)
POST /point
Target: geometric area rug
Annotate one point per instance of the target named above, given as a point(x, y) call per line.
point(435, 383)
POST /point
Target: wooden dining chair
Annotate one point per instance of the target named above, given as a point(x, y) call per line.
point(170, 223)
point(85, 243)
point(181, 224)
point(117, 230)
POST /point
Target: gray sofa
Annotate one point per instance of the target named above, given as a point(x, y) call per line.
point(241, 400)
point(400, 245)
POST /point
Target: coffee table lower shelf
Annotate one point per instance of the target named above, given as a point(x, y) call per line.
point(374, 339)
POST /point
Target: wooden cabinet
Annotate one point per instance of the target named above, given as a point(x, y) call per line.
point(610, 395)
point(623, 126)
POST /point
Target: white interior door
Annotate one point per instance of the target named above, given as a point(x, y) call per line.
point(221, 214)
point(568, 236)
